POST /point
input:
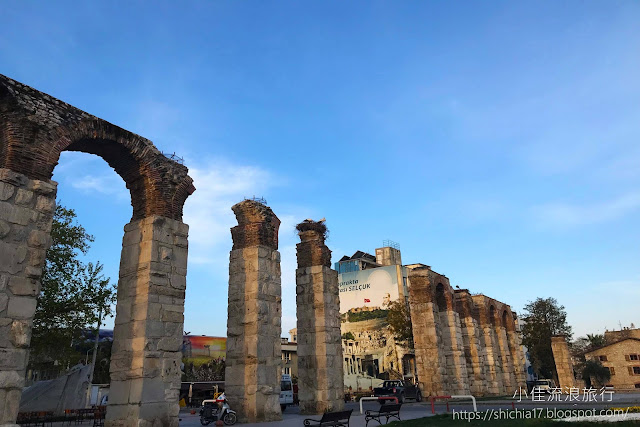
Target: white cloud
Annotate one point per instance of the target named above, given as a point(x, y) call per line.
point(572, 215)
point(91, 175)
point(219, 185)
point(110, 184)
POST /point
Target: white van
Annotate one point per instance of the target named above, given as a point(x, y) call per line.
point(286, 392)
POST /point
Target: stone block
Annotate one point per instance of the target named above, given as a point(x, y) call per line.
point(4, 300)
point(45, 204)
point(15, 359)
point(24, 197)
point(6, 191)
point(23, 286)
point(20, 334)
point(11, 379)
point(21, 307)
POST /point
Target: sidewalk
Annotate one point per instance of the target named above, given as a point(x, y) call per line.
point(292, 417)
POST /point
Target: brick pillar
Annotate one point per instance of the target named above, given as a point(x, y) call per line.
point(320, 371)
point(429, 365)
point(562, 358)
point(26, 213)
point(253, 362)
point(147, 337)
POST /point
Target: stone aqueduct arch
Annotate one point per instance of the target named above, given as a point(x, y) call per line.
point(473, 337)
point(145, 367)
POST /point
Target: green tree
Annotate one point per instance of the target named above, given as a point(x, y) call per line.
point(543, 318)
point(399, 319)
point(348, 336)
point(72, 296)
point(596, 341)
point(593, 370)
point(588, 343)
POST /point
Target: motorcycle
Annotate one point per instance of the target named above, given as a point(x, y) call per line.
point(215, 410)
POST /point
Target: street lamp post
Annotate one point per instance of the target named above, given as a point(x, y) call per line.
point(93, 359)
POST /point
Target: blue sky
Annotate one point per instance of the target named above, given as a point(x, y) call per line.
point(497, 142)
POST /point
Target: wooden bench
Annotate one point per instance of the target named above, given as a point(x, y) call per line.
point(333, 419)
point(386, 411)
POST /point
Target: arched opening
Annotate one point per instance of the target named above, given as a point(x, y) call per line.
point(441, 298)
point(493, 319)
point(145, 362)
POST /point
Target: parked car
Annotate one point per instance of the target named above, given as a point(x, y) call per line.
point(544, 385)
point(400, 389)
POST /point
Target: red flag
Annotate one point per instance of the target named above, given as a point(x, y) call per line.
point(367, 300)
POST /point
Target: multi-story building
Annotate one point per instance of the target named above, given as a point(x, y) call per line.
point(464, 343)
point(621, 355)
point(289, 356)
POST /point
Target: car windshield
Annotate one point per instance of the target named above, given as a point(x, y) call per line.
point(285, 386)
point(389, 384)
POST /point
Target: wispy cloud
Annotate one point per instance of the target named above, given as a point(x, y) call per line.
point(110, 184)
point(91, 175)
point(566, 215)
point(219, 185)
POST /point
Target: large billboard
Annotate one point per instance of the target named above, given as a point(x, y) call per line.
point(203, 347)
point(370, 288)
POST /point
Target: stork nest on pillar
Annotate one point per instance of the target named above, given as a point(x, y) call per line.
point(310, 225)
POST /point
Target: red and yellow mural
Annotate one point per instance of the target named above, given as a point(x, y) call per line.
point(201, 349)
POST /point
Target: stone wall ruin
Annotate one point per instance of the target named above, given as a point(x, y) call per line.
point(463, 343)
point(252, 374)
point(145, 367)
point(320, 371)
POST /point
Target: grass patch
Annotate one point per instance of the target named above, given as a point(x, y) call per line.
point(447, 421)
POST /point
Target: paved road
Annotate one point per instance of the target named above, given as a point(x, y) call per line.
point(292, 417)
point(412, 410)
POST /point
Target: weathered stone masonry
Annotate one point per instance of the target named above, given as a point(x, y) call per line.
point(26, 212)
point(562, 358)
point(463, 343)
point(34, 129)
point(320, 372)
point(145, 365)
point(253, 360)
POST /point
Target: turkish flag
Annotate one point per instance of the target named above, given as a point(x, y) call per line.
point(367, 300)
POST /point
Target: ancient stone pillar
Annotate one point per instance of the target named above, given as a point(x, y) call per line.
point(429, 365)
point(562, 359)
point(474, 351)
point(508, 381)
point(252, 376)
point(488, 340)
point(26, 213)
point(454, 352)
point(517, 354)
point(146, 353)
point(320, 371)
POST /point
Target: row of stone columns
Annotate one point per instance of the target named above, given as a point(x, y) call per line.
point(252, 377)
point(460, 345)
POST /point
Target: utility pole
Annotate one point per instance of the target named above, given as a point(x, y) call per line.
point(93, 359)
